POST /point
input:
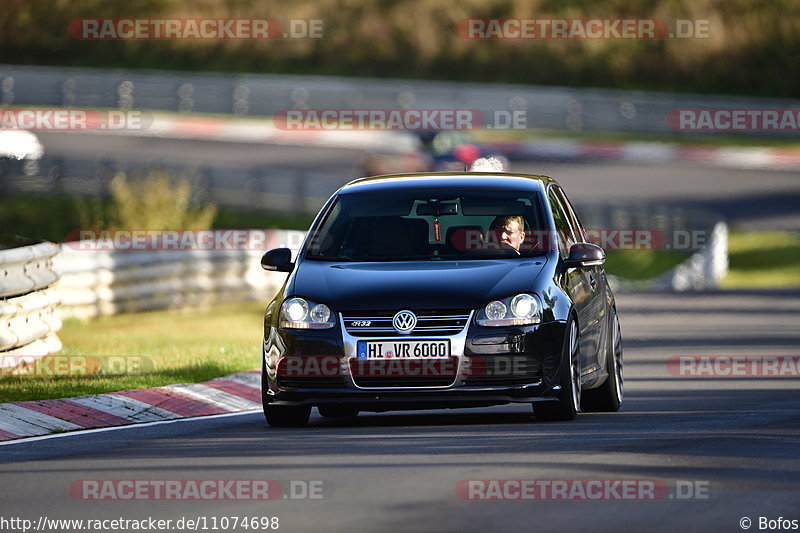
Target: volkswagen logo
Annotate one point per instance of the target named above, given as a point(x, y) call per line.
point(404, 321)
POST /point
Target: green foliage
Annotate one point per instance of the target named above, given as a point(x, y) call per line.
point(157, 202)
point(752, 47)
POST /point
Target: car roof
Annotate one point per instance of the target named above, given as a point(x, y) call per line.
point(450, 180)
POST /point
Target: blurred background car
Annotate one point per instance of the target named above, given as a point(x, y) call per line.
point(434, 151)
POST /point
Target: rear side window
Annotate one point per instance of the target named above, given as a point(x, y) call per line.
point(575, 222)
point(565, 231)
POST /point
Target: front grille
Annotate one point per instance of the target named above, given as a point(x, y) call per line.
point(429, 323)
point(389, 373)
point(497, 370)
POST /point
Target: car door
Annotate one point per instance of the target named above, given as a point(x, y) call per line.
point(596, 310)
point(576, 282)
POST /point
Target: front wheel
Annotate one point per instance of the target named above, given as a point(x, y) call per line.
point(569, 397)
point(281, 415)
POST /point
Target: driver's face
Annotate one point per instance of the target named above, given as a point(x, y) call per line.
point(512, 235)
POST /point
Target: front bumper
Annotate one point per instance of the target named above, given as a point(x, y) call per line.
point(488, 366)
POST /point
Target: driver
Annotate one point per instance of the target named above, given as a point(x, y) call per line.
point(510, 231)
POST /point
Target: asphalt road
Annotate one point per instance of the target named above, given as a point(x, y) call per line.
point(197, 151)
point(722, 448)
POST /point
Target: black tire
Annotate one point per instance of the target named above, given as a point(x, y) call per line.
point(281, 415)
point(607, 398)
point(287, 416)
point(337, 411)
point(569, 397)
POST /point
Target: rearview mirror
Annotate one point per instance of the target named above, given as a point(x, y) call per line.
point(584, 254)
point(279, 260)
point(437, 209)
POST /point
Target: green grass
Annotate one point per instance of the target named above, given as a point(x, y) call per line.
point(175, 346)
point(641, 264)
point(764, 259)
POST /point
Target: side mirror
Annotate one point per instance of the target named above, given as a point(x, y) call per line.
point(279, 260)
point(584, 254)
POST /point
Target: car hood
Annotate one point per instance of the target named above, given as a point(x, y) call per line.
point(421, 285)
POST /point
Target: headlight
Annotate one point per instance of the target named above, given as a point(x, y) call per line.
point(496, 310)
point(519, 310)
point(524, 306)
point(298, 313)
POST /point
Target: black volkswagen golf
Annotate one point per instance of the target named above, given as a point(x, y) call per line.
point(442, 290)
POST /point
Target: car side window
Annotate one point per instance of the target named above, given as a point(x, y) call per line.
point(578, 230)
point(564, 229)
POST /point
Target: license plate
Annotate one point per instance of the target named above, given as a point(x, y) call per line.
point(403, 349)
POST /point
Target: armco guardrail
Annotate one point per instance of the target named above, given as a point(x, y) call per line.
point(29, 318)
point(557, 108)
point(108, 281)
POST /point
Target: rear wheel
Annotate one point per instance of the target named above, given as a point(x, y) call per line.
point(337, 411)
point(569, 397)
point(608, 396)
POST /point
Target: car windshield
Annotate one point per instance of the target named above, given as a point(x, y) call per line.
point(429, 225)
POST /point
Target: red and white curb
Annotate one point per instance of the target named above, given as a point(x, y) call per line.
point(232, 394)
